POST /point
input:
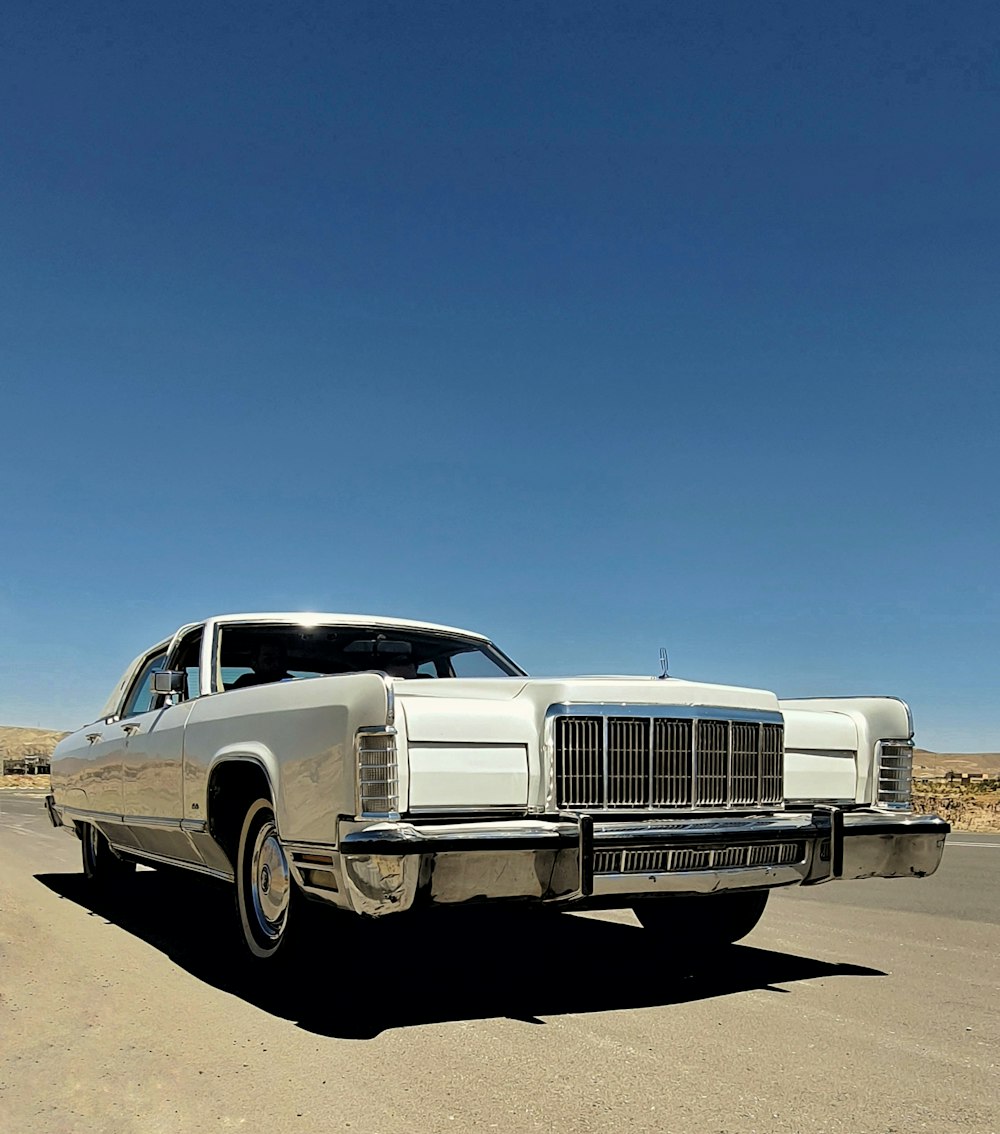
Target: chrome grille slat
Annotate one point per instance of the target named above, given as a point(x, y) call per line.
point(697, 858)
point(745, 764)
point(772, 764)
point(712, 754)
point(579, 764)
point(671, 778)
point(636, 762)
point(627, 743)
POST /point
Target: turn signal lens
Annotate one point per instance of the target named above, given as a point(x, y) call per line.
point(895, 775)
point(378, 773)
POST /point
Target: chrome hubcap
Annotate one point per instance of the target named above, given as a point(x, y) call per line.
point(270, 884)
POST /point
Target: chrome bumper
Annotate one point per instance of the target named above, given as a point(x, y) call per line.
point(380, 868)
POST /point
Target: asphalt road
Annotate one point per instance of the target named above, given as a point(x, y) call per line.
point(855, 1007)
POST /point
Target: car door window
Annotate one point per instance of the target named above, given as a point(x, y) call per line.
point(187, 658)
point(140, 696)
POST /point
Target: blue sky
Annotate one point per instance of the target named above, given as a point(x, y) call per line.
point(595, 327)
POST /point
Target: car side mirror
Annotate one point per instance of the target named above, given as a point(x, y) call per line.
point(169, 681)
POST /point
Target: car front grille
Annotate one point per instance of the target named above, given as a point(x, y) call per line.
point(642, 763)
point(685, 859)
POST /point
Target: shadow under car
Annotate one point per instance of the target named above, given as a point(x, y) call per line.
point(361, 978)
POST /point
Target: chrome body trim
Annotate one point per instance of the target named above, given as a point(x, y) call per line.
point(390, 699)
point(691, 712)
point(504, 811)
point(298, 848)
point(826, 753)
point(94, 816)
point(846, 802)
point(211, 658)
point(154, 822)
point(131, 852)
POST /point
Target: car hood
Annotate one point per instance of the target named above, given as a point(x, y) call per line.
point(467, 709)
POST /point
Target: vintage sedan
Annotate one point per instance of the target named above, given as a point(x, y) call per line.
point(380, 765)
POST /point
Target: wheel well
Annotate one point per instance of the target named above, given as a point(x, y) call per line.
point(233, 786)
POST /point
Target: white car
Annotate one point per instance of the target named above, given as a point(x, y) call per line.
point(380, 765)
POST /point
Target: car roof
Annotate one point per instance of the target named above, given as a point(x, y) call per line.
point(322, 618)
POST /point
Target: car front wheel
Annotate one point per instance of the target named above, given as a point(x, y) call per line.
point(265, 890)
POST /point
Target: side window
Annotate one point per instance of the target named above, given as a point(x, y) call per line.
point(187, 658)
point(140, 697)
point(232, 673)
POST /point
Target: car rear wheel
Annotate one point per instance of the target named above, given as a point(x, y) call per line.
point(691, 924)
point(101, 865)
point(265, 890)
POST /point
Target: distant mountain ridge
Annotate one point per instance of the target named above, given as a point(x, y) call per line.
point(16, 743)
point(941, 763)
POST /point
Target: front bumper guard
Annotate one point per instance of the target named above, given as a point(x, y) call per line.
point(387, 867)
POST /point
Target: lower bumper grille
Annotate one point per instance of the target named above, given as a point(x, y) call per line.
point(672, 861)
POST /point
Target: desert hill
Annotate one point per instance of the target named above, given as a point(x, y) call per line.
point(16, 743)
point(941, 763)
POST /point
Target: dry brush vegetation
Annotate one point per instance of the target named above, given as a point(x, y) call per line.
point(966, 806)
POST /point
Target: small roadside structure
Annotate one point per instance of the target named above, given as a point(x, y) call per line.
point(35, 765)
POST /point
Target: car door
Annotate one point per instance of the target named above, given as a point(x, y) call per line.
point(101, 770)
point(97, 770)
point(153, 787)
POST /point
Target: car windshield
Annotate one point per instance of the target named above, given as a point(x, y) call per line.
point(256, 654)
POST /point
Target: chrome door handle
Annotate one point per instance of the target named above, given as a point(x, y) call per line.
point(130, 729)
point(93, 737)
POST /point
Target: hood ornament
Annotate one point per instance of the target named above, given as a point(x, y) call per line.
point(663, 663)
